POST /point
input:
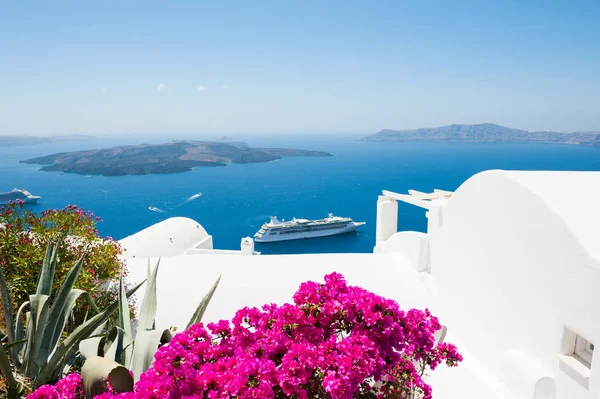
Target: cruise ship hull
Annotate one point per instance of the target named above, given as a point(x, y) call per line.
point(352, 226)
point(30, 200)
point(15, 195)
point(6, 201)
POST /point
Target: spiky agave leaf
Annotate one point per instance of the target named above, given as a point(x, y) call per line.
point(46, 277)
point(149, 303)
point(199, 313)
point(90, 347)
point(125, 348)
point(7, 310)
point(13, 387)
point(82, 332)
point(38, 316)
point(146, 344)
point(19, 336)
point(60, 311)
point(147, 340)
point(115, 344)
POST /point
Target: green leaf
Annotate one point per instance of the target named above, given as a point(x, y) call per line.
point(81, 332)
point(117, 342)
point(35, 328)
point(14, 343)
point(7, 309)
point(56, 324)
point(147, 343)
point(62, 305)
point(108, 341)
point(46, 278)
point(148, 308)
point(90, 347)
point(6, 370)
point(199, 313)
point(24, 350)
point(61, 308)
point(126, 351)
point(124, 319)
point(19, 335)
point(72, 322)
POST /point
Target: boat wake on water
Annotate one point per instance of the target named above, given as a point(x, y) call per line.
point(193, 197)
point(188, 200)
point(172, 208)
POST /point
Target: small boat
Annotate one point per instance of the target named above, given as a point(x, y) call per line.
point(18, 194)
point(88, 177)
point(297, 229)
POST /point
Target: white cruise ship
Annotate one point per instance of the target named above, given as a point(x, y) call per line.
point(17, 194)
point(296, 229)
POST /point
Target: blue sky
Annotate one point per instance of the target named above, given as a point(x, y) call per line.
point(148, 67)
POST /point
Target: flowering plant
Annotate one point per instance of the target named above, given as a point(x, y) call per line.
point(334, 342)
point(24, 236)
point(68, 387)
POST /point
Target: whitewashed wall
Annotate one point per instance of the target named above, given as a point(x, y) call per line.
point(509, 262)
point(513, 275)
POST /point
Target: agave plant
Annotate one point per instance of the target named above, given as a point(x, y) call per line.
point(137, 353)
point(38, 349)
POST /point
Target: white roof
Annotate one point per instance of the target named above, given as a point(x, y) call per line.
point(170, 237)
point(572, 196)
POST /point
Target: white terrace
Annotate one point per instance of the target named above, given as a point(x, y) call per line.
point(510, 264)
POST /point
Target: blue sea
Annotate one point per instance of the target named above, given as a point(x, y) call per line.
point(237, 199)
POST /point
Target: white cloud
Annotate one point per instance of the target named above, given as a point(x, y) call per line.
point(224, 87)
point(161, 88)
point(201, 88)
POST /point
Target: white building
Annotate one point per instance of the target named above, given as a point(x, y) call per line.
point(510, 264)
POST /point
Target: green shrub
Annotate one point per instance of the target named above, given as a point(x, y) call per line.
point(25, 236)
point(41, 350)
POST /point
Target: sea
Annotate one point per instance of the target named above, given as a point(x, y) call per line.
point(232, 202)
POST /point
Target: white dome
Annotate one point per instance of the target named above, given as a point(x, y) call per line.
point(170, 237)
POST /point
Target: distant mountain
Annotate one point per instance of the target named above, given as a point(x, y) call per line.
point(72, 137)
point(485, 133)
point(13, 141)
point(177, 156)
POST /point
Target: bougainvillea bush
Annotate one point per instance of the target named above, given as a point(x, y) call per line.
point(24, 237)
point(335, 341)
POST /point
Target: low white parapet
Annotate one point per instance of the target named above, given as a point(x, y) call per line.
point(246, 248)
point(412, 244)
point(214, 252)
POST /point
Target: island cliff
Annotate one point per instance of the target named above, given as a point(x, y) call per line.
point(177, 156)
point(485, 133)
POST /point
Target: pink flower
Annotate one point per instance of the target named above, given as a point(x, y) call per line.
point(335, 341)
